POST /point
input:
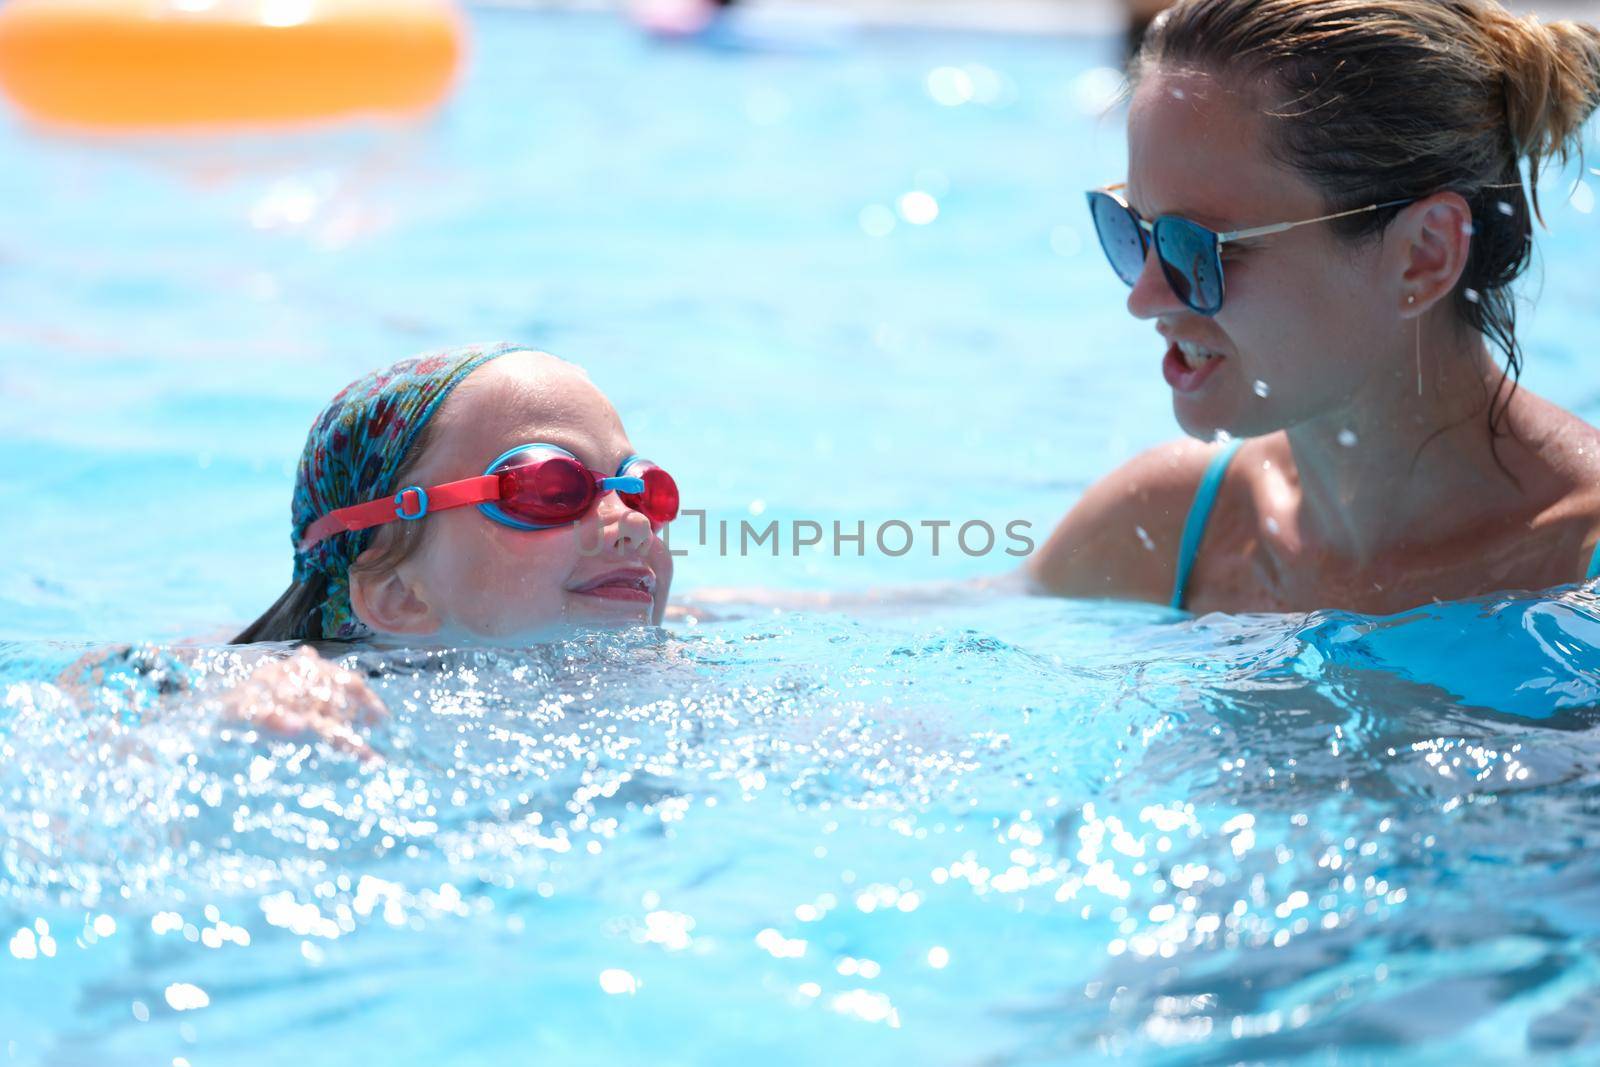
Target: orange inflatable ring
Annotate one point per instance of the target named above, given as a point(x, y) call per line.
point(151, 63)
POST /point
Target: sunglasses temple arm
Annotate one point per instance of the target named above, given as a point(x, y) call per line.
point(1264, 231)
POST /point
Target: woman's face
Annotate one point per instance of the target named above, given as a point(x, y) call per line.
point(1307, 319)
point(484, 580)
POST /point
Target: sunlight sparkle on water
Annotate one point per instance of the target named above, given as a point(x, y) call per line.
point(616, 981)
point(950, 86)
point(918, 208)
point(184, 996)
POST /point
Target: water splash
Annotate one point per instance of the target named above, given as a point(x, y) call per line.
point(1022, 825)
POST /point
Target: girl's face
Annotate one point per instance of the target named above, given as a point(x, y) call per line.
point(474, 578)
point(1307, 319)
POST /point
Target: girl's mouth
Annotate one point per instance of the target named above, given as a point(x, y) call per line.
point(1188, 365)
point(628, 584)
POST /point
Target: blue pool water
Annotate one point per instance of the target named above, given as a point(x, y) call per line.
point(994, 831)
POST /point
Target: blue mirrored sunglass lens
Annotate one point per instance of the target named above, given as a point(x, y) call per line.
point(1119, 236)
point(1189, 254)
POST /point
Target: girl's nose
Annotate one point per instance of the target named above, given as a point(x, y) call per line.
point(624, 528)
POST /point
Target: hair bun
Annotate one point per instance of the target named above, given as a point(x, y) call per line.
point(1551, 74)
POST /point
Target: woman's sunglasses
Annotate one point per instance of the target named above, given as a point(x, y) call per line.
point(1190, 255)
point(530, 487)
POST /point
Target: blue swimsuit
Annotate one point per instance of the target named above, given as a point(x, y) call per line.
point(1194, 529)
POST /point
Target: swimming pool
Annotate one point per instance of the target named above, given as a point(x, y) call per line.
point(849, 283)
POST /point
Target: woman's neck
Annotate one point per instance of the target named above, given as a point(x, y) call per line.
point(1409, 459)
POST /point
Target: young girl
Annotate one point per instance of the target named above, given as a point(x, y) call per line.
point(482, 495)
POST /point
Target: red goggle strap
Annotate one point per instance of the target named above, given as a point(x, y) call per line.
point(411, 503)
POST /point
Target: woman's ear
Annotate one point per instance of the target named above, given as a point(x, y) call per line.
point(1436, 235)
point(390, 603)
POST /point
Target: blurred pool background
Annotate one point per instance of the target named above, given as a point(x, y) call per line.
point(721, 237)
point(851, 280)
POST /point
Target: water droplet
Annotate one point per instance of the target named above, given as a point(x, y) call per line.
point(1271, 524)
point(1471, 295)
point(1347, 438)
point(1222, 437)
point(1582, 197)
point(1505, 209)
point(1144, 538)
point(1178, 94)
point(1262, 388)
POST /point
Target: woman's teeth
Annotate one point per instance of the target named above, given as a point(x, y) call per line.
point(1194, 356)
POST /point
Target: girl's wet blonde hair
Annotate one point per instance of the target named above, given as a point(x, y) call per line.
point(1380, 100)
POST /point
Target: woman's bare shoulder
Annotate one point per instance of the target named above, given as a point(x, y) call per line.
point(1121, 538)
point(1570, 447)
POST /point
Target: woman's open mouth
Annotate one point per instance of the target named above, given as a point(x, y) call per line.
point(628, 584)
point(1188, 365)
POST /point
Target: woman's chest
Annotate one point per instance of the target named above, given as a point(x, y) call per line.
point(1250, 568)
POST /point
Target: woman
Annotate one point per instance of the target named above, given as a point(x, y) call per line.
point(1355, 444)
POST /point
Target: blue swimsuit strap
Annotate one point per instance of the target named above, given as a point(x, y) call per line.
point(1194, 529)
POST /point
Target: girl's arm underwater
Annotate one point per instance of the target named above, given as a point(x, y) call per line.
point(301, 694)
point(307, 695)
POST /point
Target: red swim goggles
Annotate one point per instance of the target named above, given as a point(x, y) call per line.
point(530, 487)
